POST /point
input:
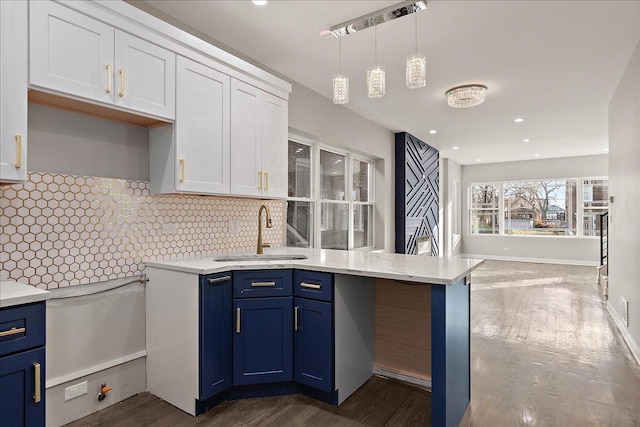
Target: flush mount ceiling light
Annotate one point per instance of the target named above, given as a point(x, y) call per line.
point(466, 96)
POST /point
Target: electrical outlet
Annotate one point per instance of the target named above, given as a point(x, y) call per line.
point(75, 390)
point(624, 311)
point(233, 227)
point(169, 228)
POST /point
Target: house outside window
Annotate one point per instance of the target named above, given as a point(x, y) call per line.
point(330, 201)
point(558, 207)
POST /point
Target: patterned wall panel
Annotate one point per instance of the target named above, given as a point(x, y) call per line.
point(61, 230)
point(417, 204)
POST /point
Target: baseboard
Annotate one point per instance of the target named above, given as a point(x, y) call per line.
point(534, 260)
point(403, 377)
point(633, 346)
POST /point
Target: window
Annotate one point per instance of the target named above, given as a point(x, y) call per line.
point(485, 208)
point(596, 202)
point(558, 207)
point(336, 188)
point(543, 208)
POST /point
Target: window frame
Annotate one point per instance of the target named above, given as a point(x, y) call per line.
point(317, 201)
point(580, 208)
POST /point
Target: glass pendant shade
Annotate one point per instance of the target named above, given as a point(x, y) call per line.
point(375, 82)
point(416, 71)
point(340, 89)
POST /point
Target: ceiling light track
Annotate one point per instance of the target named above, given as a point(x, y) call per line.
point(378, 17)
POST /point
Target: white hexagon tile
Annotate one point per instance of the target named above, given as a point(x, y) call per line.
point(63, 230)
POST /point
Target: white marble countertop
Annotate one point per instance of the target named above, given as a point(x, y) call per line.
point(14, 293)
point(410, 268)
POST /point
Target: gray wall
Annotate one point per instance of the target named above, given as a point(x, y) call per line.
point(533, 248)
point(72, 143)
point(624, 186)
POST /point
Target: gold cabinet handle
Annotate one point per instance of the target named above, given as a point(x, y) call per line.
point(296, 310)
point(266, 181)
point(310, 285)
point(121, 94)
point(238, 320)
point(36, 372)
point(13, 331)
point(18, 151)
point(108, 78)
point(262, 284)
point(259, 180)
point(182, 166)
point(220, 279)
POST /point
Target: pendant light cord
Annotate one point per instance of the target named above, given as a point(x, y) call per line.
point(416, 27)
point(375, 43)
point(340, 50)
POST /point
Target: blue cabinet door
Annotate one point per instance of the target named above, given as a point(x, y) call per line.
point(262, 340)
point(313, 344)
point(18, 385)
point(215, 334)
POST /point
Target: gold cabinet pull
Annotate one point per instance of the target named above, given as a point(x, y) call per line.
point(108, 78)
point(266, 181)
point(121, 94)
point(13, 331)
point(262, 284)
point(220, 279)
point(310, 285)
point(296, 310)
point(238, 320)
point(18, 151)
point(36, 372)
point(259, 180)
point(182, 166)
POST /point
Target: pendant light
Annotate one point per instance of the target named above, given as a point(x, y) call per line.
point(375, 74)
point(416, 69)
point(340, 84)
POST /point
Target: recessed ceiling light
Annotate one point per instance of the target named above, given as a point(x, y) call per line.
point(478, 160)
point(456, 147)
point(605, 149)
point(526, 140)
point(536, 155)
point(518, 120)
point(433, 131)
point(259, 2)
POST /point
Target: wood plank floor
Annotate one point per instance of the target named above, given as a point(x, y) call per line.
point(544, 352)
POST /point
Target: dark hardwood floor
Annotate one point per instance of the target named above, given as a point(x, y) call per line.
point(544, 352)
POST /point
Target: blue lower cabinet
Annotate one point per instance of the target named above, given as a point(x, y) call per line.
point(20, 403)
point(313, 344)
point(216, 330)
point(262, 340)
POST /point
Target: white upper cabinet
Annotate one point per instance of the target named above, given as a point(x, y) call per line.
point(258, 142)
point(202, 129)
point(13, 91)
point(74, 54)
point(145, 76)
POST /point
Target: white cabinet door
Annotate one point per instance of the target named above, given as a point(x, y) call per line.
point(275, 120)
point(145, 76)
point(70, 52)
point(13, 91)
point(246, 140)
point(202, 129)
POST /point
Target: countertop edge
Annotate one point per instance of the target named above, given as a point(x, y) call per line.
point(14, 293)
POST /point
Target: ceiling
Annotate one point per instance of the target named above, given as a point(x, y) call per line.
point(554, 63)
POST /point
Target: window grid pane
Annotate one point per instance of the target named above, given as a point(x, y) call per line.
point(333, 185)
point(300, 224)
point(334, 225)
point(299, 169)
point(361, 174)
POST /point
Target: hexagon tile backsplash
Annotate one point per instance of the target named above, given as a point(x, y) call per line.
point(63, 230)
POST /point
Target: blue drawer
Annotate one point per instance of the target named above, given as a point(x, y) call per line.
point(262, 283)
point(313, 285)
point(22, 327)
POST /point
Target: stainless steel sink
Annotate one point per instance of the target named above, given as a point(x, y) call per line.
point(259, 257)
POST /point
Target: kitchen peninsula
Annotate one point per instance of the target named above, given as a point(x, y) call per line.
point(220, 330)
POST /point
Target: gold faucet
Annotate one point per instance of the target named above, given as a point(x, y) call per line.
point(269, 225)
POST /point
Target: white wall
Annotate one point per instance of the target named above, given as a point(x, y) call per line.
point(624, 186)
point(571, 250)
point(451, 207)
